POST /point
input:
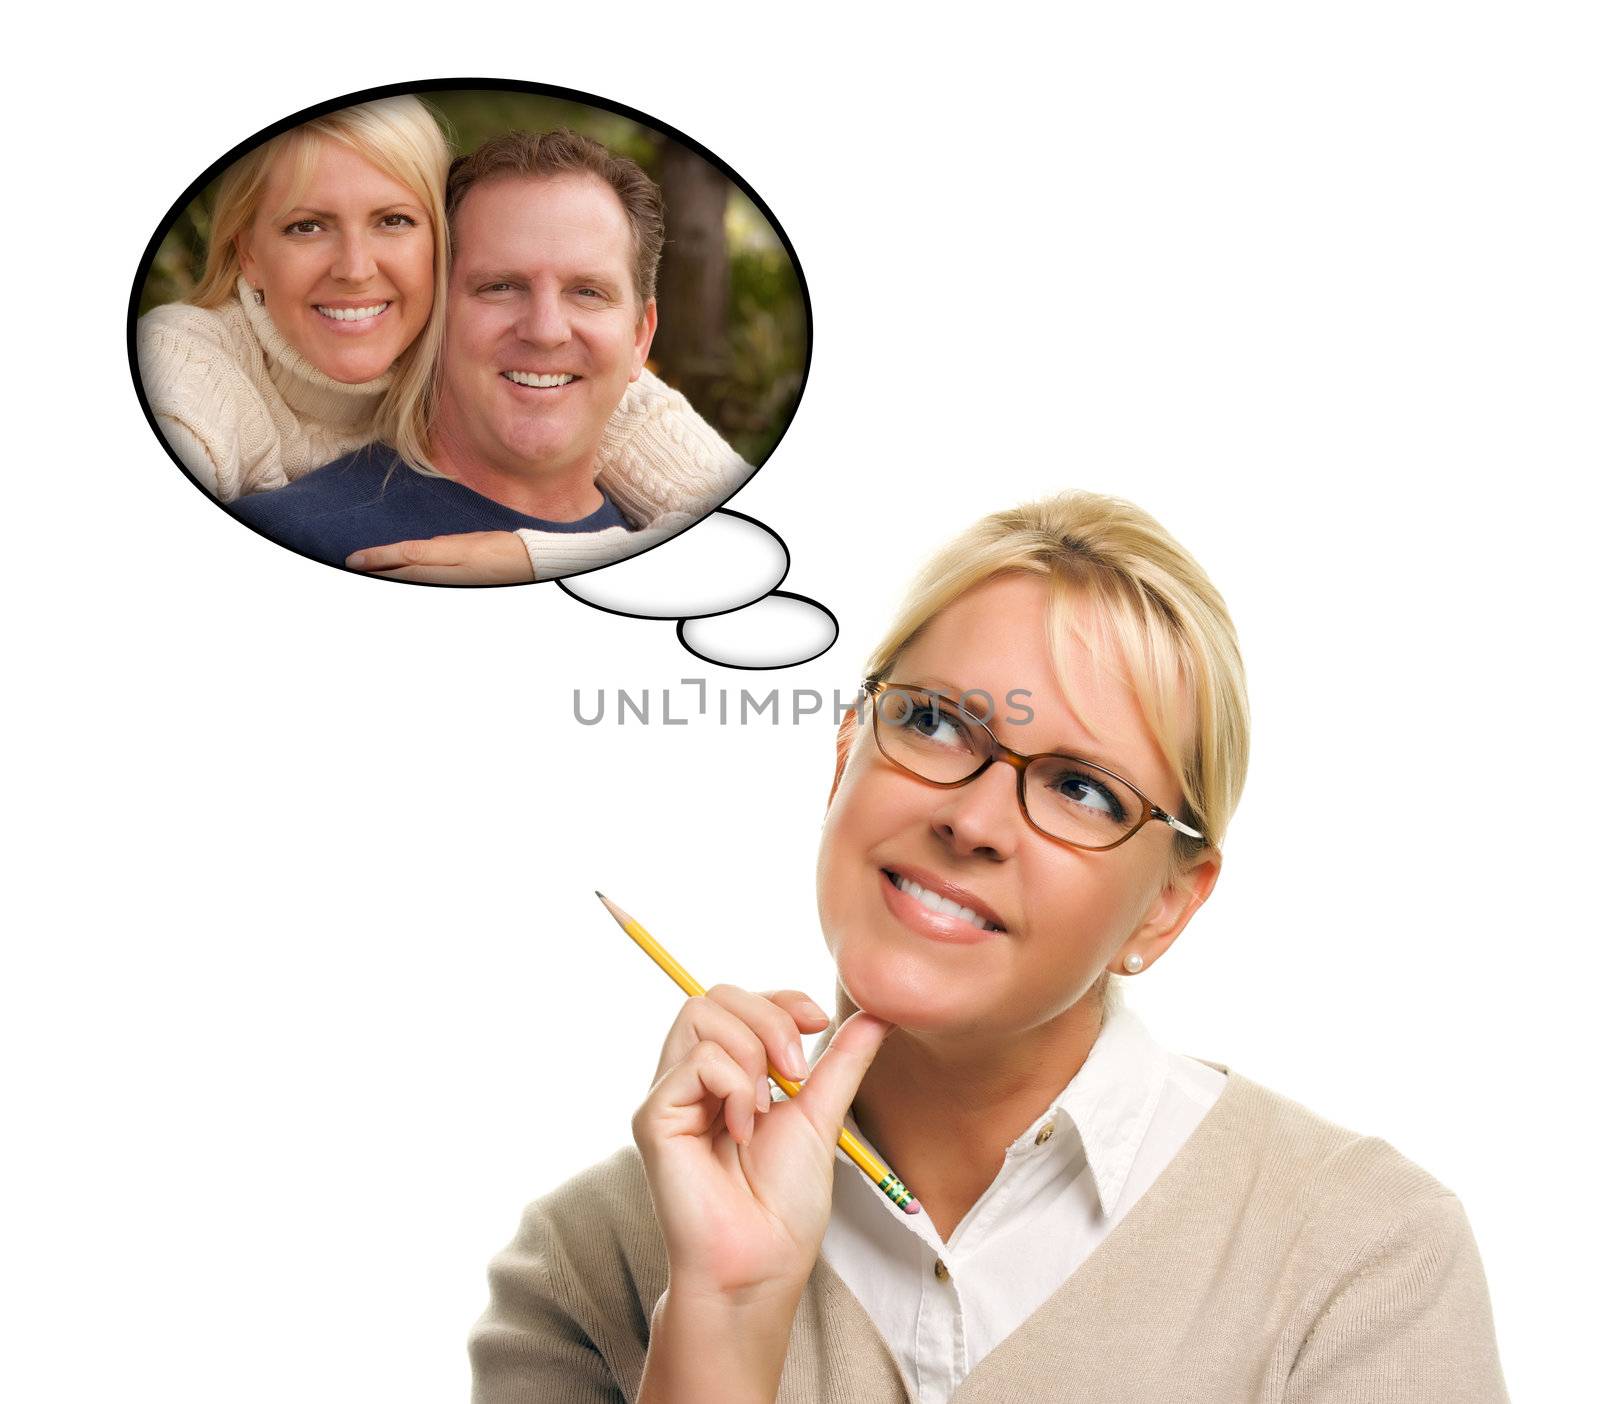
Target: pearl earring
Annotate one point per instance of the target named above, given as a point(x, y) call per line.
point(1134, 963)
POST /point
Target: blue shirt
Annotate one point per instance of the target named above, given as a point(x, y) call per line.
point(371, 498)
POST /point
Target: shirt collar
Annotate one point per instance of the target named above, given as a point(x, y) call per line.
point(1110, 1103)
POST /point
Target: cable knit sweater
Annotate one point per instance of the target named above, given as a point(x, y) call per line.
point(1279, 1259)
point(244, 412)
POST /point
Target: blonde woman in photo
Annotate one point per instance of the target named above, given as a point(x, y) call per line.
point(1029, 811)
point(316, 328)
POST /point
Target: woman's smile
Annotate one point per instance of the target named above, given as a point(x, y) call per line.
point(935, 908)
point(540, 380)
point(354, 318)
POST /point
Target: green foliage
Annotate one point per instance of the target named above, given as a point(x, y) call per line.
point(768, 332)
point(182, 255)
point(471, 118)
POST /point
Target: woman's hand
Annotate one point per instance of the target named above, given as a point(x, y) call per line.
point(742, 1186)
point(467, 558)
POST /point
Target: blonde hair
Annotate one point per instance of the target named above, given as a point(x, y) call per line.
point(403, 139)
point(1155, 608)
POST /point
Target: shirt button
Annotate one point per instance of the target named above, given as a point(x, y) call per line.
point(940, 1270)
point(1045, 1134)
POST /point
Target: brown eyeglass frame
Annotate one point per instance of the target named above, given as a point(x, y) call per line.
point(998, 750)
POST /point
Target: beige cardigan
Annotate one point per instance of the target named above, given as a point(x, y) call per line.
point(244, 412)
point(1278, 1260)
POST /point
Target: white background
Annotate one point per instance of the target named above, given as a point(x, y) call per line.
point(305, 990)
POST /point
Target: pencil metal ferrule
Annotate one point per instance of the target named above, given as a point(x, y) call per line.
point(896, 1190)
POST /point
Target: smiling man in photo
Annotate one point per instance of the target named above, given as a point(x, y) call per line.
point(549, 318)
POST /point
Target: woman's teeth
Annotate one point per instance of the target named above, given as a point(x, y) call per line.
point(539, 382)
point(353, 314)
point(943, 905)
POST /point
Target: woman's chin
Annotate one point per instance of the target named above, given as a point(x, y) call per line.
point(894, 989)
point(354, 370)
point(346, 358)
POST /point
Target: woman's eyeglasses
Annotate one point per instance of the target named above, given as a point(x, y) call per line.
point(1072, 801)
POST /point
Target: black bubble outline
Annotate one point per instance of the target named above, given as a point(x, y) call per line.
point(427, 85)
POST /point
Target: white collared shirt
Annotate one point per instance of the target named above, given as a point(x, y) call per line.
point(1066, 1182)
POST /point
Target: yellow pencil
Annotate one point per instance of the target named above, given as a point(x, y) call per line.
point(875, 1169)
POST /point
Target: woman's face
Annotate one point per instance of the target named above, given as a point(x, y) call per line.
point(348, 271)
point(1065, 915)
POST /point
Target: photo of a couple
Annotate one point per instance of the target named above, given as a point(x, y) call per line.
point(439, 370)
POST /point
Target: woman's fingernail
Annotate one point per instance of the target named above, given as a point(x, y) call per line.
point(815, 1010)
point(763, 1097)
point(794, 1060)
point(356, 561)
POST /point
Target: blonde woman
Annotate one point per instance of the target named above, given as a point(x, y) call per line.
point(1030, 810)
point(316, 327)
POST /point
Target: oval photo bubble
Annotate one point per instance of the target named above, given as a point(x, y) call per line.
point(618, 339)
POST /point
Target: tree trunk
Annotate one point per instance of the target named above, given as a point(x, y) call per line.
point(692, 349)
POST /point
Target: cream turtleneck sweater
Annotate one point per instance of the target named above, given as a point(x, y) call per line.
point(244, 412)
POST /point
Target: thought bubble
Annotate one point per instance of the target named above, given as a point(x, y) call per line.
point(720, 580)
point(776, 632)
point(684, 437)
point(724, 562)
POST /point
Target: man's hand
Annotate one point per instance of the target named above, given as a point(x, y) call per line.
point(468, 558)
